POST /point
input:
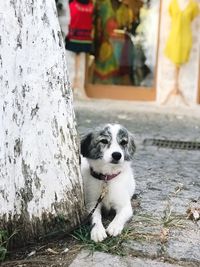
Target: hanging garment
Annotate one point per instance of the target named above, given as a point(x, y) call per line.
point(79, 38)
point(106, 67)
point(179, 43)
point(124, 16)
point(149, 20)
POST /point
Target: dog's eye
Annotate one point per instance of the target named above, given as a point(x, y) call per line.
point(123, 142)
point(104, 141)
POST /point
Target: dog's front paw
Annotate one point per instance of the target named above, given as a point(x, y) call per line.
point(114, 229)
point(98, 233)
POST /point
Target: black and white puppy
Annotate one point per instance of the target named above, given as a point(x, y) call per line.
point(107, 154)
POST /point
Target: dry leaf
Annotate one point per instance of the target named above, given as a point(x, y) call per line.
point(194, 213)
point(179, 187)
point(164, 233)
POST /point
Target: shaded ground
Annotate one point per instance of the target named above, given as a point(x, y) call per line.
point(168, 184)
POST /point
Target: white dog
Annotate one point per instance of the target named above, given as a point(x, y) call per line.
point(107, 154)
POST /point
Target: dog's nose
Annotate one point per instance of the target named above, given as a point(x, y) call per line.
point(116, 155)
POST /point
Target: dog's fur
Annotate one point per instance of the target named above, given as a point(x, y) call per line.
point(108, 150)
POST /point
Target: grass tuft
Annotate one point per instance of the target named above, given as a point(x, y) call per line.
point(4, 239)
point(144, 228)
point(3, 244)
point(111, 245)
point(171, 220)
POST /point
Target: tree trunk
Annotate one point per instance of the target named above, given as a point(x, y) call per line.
point(40, 180)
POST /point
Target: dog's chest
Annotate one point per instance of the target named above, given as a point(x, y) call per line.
point(113, 198)
point(108, 202)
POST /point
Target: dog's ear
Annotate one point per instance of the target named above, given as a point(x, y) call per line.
point(131, 145)
point(85, 144)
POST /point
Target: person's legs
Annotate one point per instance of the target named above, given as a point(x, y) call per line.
point(79, 78)
point(70, 59)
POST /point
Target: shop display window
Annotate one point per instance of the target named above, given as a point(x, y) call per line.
point(125, 43)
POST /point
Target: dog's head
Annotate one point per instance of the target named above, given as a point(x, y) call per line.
point(111, 144)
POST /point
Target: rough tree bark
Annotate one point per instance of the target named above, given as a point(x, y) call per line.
point(40, 180)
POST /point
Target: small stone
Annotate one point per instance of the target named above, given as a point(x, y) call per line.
point(65, 250)
point(31, 253)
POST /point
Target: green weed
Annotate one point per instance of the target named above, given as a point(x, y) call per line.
point(171, 219)
point(3, 244)
point(111, 245)
point(115, 245)
point(4, 239)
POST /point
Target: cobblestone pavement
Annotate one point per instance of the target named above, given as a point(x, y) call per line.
point(168, 181)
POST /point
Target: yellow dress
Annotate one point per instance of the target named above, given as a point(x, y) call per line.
point(179, 42)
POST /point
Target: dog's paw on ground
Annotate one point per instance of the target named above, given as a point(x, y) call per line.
point(98, 233)
point(114, 229)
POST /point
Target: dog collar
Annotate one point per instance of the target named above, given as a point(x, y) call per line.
point(103, 177)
